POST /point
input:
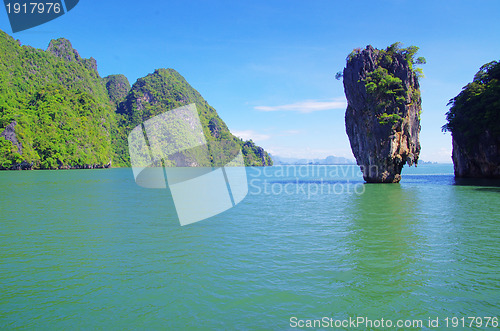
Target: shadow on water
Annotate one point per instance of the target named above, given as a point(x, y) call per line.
point(493, 183)
point(488, 189)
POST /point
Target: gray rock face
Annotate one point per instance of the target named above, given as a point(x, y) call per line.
point(9, 133)
point(63, 49)
point(482, 161)
point(383, 126)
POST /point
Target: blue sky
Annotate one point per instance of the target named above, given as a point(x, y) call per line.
point(268, 66)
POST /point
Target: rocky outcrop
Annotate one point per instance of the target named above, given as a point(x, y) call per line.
point(63, 49)
point(474, 122)
point(9, 134)
point(383, 112)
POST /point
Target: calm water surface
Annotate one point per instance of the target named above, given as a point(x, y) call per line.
point(87, 249)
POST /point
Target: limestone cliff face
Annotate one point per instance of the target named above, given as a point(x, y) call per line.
point(382, 116)
point(482, 161)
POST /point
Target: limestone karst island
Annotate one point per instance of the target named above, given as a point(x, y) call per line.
point(474, 122)
point(384, 107)
point(58, 113)
point(383, 113)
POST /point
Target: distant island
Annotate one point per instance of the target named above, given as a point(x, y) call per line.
point(56, 112)
point(329, 160)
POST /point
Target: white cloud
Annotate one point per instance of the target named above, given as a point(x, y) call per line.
point(291, 132)
point(250, 134)
point(307, 106)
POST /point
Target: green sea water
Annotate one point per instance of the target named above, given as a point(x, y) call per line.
point(89, 249)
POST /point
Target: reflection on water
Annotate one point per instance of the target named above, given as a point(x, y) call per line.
point(384, 245)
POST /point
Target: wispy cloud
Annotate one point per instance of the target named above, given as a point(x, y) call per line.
point(251, 134)
point(291, 132)
point(307, 106)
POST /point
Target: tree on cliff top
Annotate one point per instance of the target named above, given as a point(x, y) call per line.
point(408, 52)
point(389, 92)
point(476, 109)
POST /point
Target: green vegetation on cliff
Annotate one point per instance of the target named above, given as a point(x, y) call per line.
point(117, 86)
point(59, 103)
point(167, 89)
point(61, 114)
point(476, 109)
point(253, 154)
point(9, 154)
point(387, 90)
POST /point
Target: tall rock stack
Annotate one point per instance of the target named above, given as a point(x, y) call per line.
point(474, 122)
point(383, 112)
